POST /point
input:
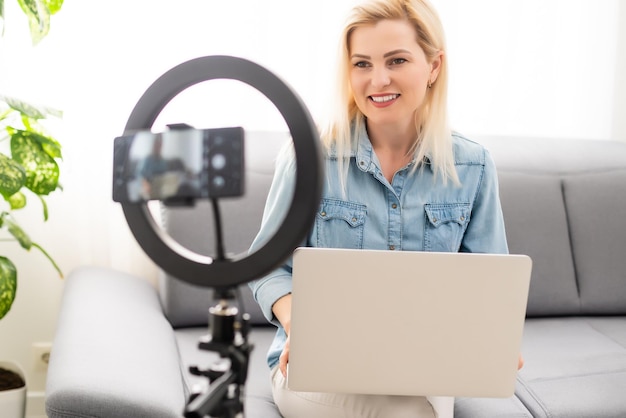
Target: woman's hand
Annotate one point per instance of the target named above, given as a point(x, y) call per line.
point(282, 312)
point(284, 358)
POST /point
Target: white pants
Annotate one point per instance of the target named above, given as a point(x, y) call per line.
point(335, 405)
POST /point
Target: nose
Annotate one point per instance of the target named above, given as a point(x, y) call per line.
point(380, 77)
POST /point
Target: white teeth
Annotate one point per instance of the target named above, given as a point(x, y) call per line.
point(383, 99)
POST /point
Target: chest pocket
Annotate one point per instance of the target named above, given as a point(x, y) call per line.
point(445, 226)
point(340, 224)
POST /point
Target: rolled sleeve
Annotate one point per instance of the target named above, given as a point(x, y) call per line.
point(268, 290)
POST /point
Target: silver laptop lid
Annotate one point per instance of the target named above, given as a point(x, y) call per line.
point(407, 323)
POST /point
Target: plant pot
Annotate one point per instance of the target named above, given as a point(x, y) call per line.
point(13, 401)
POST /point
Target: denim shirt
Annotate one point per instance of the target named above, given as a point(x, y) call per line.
point(415, 212)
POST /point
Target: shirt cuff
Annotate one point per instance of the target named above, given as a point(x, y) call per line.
point(268, 291)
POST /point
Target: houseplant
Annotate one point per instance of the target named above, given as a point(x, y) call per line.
point(27, 155)
point(28, 169)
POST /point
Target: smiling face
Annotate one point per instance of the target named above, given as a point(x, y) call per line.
point(389, 72)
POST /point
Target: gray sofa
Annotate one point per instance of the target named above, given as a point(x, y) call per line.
point(122, 347)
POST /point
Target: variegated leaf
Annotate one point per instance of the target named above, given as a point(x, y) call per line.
point(8, 285)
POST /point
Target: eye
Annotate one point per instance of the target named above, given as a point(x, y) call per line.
point(398, 61)
point(361, 64)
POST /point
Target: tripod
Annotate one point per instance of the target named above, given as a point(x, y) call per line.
point(228, 338)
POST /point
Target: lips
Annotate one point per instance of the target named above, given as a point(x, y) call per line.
point(382, 100)
point(385, 98)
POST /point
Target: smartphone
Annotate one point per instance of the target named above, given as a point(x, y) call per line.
point(178, 165)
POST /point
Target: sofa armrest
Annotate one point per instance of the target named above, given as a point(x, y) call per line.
point(114, 353)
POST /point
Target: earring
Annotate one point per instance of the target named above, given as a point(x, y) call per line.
point(430, 83)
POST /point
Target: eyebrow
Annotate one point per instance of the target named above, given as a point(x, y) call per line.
point(386, 55)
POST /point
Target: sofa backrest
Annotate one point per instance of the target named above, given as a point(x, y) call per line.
point(187, 305)
point(564, 204)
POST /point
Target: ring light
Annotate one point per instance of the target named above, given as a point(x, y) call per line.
point(203, 270)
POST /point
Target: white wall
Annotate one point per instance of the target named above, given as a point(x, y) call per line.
point(619, 91)
point(537, 68)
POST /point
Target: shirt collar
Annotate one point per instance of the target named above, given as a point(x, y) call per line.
point(363, 152)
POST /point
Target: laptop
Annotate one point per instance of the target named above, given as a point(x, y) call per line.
point(407, 322)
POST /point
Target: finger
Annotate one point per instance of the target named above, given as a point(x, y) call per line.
point(284, 358)
point(282, 363)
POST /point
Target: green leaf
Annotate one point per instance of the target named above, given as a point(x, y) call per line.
point(12, 176)
point(24, 108)
point(23, 239)
point(51, 146)
point(8, 284)
point(30, 110)
point(53, 5)
point(17, 232)
point(18, 201)
point(38, 18)
point(33, 151)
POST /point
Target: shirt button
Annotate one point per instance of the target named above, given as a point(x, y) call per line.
point(353, 219)
point(323, 213)
point(462, 218)
point(362, 163)
point(394, 206)
point(392, 247)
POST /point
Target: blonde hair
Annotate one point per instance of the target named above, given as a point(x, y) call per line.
point(434, 135)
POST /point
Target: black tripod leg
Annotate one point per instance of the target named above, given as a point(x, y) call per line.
point(206, 403)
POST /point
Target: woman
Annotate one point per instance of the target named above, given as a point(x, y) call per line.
point(393, 163)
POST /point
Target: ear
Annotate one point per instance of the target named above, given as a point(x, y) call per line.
point(435, 66)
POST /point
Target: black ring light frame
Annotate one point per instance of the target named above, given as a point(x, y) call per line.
point(203, 270)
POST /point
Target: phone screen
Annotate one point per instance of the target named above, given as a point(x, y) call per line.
point(179, 164)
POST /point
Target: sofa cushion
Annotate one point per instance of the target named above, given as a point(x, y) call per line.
point(536, 225)
point(575, 367)
point(114, 353)
point(552, 196)
point(510, 407)
point(596, 207)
